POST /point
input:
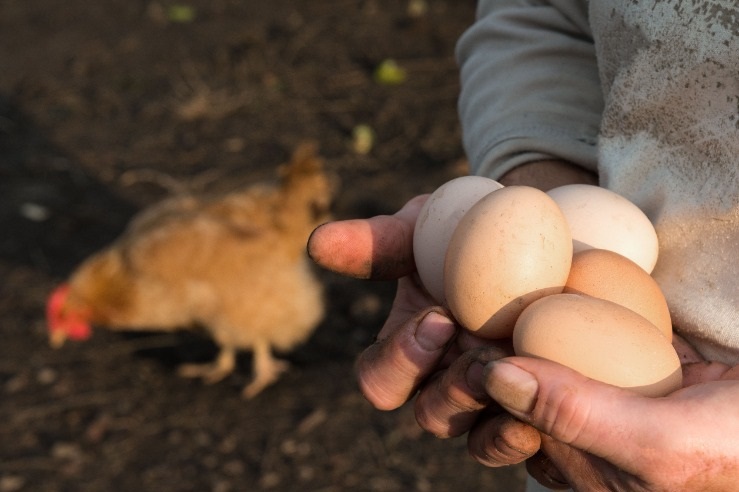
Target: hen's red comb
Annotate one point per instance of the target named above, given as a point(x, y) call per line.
point(60, 318)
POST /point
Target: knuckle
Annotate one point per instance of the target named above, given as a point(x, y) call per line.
point(431, 422)
point(565, 415)
point(502, 441)
point(386, 376)
point(374, 384)
point(445, 409)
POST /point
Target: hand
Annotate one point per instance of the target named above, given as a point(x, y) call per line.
point(599, 437)
point(419, 349)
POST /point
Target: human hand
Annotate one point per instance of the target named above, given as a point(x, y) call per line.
point(599, 437)
point(416, 335)
point(419, 350)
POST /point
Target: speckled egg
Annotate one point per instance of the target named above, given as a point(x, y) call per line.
point(607, 275)
point(511, 248)
point(601, 340)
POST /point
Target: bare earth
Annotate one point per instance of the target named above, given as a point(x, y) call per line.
point(111, 105)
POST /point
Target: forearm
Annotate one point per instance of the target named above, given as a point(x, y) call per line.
point(530, 86)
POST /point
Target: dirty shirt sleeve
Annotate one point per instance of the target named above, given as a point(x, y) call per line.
point(530, 86)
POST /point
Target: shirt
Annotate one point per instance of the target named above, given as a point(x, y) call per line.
point(646, 94)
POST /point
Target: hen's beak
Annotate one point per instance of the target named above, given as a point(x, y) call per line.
point(57, 338)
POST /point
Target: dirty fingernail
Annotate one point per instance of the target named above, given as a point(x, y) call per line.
point(511, 386)
point(434, 331)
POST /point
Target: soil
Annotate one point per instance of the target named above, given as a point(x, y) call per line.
point(109, 106)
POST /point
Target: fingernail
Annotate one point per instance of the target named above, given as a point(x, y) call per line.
point(511, 386)
point(434, 331)
point(474, 378)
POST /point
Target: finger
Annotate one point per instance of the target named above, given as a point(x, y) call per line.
point(731, 374)
point(561, 466)
point(704, 371)
point(541, 467)
point(390, 370)
point(502, 440)
point(410, 299)
point(695, 368)
point(619, 437)
point(600, 419)
point(449, 405)
point(685, 351)
point(466, 341)
point(378, 248)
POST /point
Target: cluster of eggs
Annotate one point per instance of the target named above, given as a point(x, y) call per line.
point(565, 273)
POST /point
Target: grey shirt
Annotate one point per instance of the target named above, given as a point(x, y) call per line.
point(647, 95)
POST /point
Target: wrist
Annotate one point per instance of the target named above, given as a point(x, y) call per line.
point(549, 174)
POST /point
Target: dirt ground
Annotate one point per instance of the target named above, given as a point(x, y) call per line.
point(111, 105)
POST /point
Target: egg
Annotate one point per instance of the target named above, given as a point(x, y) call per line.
point(600, 218)
point(607, 275)
point(511, 248)
point(436, 222)
point(600, 339)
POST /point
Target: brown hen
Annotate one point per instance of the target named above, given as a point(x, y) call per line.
point(234, 265)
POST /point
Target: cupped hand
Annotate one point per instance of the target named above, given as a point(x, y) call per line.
point(598, 437)
point(593, 436)
point(419, 350)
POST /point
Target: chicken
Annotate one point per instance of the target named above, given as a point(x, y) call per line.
point(234, 265)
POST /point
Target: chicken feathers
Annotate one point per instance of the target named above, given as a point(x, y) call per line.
point(234, 265)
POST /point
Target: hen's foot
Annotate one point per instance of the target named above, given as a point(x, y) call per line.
point(264, 377)
point(210, 372)
point(266, 368)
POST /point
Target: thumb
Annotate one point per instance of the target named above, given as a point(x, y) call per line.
point(612, 423)
point(379, 248)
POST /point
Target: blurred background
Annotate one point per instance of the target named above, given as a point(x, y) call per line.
point(107, 107)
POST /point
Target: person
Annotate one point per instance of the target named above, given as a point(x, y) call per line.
point(641, 98)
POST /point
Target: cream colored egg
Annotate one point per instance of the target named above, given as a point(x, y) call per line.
point(602, 219)
point(601, 340)
point(607, 275)
point(436, 222)
point(512, 248)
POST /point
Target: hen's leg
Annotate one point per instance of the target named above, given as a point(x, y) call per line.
point(214, 371)
point(266, 369)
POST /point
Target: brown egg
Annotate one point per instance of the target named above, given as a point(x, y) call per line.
point(511, 248)
point(601, 340)
point(613, 277)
